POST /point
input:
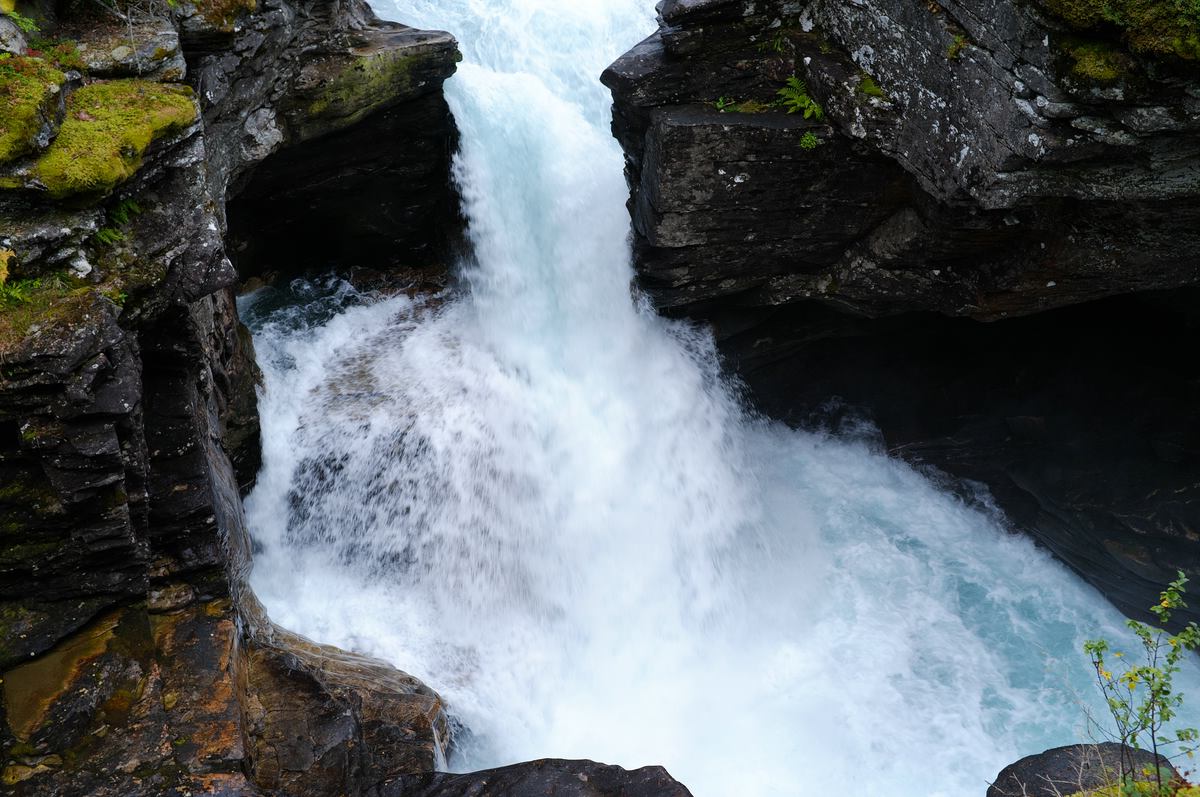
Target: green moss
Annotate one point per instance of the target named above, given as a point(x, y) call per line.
point(51, 300)
point(1097, 62)
point(366, 82)
point(27, 87)
point(31, 496)
point(223, 13)
point(868, 87)
point(726, 105)
point(63, 53)
point(108, 128)
point(1149, 27)
point(955, 50)
point(24, 553)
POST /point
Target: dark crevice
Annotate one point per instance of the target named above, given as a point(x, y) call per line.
point(376, 196)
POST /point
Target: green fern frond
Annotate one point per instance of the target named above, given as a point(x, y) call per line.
point(794, 98)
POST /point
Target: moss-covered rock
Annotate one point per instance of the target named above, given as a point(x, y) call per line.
point(29, 89)
point(221, 14)
point(108, 128)
point(363, 81)
point(1149, 27)
point(1097, 63)
point(42, 302)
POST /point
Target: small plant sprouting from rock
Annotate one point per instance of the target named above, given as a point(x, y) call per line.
point(118, 218)
point(124, 212)
point(868, 87)
point(1140, 695)
point(777, 44)
point(810, 141)
point(10, 292)
point(62, 53)
point(955, 50)
point(794, 98)
point(14, 293)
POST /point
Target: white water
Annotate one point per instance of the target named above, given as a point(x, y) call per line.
point(541, 499)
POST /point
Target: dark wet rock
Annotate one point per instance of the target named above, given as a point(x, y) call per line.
point(920, 188)
point(343, 201)
point(565, 778)
point(323, 721)
point(1075, 769)
point(971, 164)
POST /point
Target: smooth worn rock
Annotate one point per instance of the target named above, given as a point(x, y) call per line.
point(1076, 769)
point(323, 721)
point(536, 778)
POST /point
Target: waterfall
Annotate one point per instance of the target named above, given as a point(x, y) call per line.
point(550, 505)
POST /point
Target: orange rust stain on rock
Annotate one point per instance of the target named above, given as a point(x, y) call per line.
point(31, 689)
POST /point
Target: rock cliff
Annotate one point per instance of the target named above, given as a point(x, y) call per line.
point(133, 658)
point(972, 221)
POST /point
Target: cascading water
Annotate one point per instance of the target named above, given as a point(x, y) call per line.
point(541, 498)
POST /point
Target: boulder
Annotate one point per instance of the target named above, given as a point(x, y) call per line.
point(535, 778)
point(12, 38)
point(1076, 769)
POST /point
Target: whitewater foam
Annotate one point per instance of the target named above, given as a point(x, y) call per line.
point(544, 500)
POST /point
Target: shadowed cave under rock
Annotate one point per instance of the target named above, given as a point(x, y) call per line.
point(1083, 423)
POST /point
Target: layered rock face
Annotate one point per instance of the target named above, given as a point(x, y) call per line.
point(924, 239)
point(133, 659)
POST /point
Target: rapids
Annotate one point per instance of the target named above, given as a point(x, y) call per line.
point(549, 504)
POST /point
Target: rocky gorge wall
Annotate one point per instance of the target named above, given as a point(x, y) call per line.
point(134, 660)
point(972, 222)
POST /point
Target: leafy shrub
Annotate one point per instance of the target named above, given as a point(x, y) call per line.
point(1140, 695)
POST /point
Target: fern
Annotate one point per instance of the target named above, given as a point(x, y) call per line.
point(124, 212)
point(109, 236)
point(794, 98)
point(14, 293)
